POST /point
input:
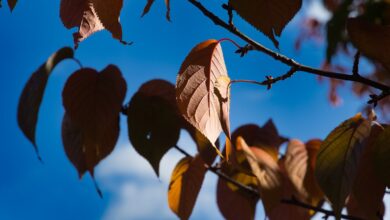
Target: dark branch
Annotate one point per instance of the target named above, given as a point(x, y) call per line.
point(280, 57)
point(355, 70)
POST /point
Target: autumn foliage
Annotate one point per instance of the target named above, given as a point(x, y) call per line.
point(348, 169)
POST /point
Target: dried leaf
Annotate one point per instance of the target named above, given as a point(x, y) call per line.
point(371, 39)
point(12, 4)
point(91, 16)
point(202, 104)
point(368, 190)
point(337, 160)
point(185, 184)
point(154, 125)
point(149, 4)
point(93, 103)
point(268, 16)
point(31, 98)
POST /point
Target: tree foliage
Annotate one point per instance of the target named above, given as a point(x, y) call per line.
point(349, 168)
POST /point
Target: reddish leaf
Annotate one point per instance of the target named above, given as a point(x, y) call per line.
point(371, 39)
point(154, 125)
point(268, 16)
point(200, 99)
point(185, 184)
point(93, 103)
point(31, 98)
point(149, 5)
point(91, 16)
point(368, 190)
point(11, 4)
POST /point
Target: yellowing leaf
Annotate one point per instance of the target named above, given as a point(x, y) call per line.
point(91, 16)
point(185, 184)
point(149, 5)
point(371, 39)
point(368, 190)
point(31, 98)
point(154, 125)
point(92, 102)
point(202, 104)
point(337, 160)
point(268, 16)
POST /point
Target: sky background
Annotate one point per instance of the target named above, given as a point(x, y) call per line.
point(31, 190)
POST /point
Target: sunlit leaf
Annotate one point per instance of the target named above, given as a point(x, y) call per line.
point(371, 39)
point(93, 103)
point(90, 16)
point(31, 98)
point(368, 190)
point(268, 16)
point(200, 102)
point(149, 4)
point(153, 121)
point(337, 160)
point(185, 184)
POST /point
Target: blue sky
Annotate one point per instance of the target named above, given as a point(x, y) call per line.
point(31, 190)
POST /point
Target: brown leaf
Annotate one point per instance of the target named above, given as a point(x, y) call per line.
point(201, 103)
point(154, 125)
point(31, 98)
point(185, 184)
point(92, 102)
point(91, 16)
point(371, 39)
point(12, 4)
point(268, 16)
point(338, 158)
point(368, 190)
point(149, 4)
point(382, 155)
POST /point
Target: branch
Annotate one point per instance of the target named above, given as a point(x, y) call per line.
point(255, 192)
point(282, 58)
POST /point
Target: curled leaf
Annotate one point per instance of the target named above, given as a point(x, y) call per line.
point(31, 98)
point(92, 102)
point(202, 104)
point(268, 16)
point(154, 125)
point(185, 184)
point(338, 158)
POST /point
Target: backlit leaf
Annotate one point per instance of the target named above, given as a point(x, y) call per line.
point(337, 160)
point(31, 98)
point(382, 155)
point(371, 39)
point(93, 103)
point(200, 102)
point(185, 184)
point(90, 16)
point(268, 16)
point(153, 121)
point(368, 190)
point(149, 4)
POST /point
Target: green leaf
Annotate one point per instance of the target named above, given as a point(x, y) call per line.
point(338, 158)
point(31, 98)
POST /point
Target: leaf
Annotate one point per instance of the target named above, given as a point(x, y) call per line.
point(236, 204)
point(368, 190)
point(371, 39)
point(268, 16)
point(91, 16)
point(184, 186)
point(149, 5)
point(154, 125)
point(268, 174)
point(31, 97)
point(12, 4)
point(381, 156)
point(93, 103)
point(202, 104)
point(337, 160)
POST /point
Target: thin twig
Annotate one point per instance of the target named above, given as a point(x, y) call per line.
point(217, 171)
point(282, 58)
